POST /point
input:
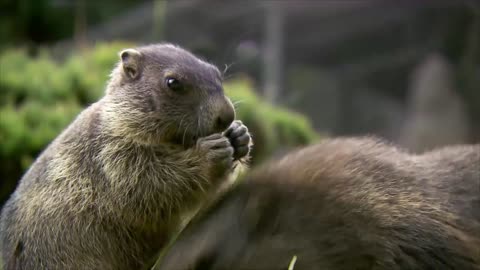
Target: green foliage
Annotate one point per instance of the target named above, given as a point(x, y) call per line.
point(89, 72)
point(40, 97)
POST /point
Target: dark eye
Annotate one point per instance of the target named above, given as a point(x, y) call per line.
point(174, 84)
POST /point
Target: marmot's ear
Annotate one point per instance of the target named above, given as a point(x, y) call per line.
point(131, 62)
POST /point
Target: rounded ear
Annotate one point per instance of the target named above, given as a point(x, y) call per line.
point(131, 62)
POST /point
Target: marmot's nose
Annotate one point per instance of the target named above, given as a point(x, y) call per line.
point(225, 117)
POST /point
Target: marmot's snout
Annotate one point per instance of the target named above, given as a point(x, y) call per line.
point(225, 115)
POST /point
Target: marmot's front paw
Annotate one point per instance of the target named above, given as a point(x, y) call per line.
point(240, 139)
point(218, 151)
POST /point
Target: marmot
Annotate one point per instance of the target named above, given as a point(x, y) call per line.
point(349, 203)
point(111, 189)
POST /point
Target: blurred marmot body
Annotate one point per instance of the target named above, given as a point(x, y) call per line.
point(340, 205)
point(112, 188)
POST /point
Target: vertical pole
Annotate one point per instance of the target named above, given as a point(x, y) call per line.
point(273, 50)
point(467, 77)
point(80, 24)
point(159, 11)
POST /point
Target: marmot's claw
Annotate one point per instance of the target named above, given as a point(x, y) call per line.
point(218, 150)
point(240, 139)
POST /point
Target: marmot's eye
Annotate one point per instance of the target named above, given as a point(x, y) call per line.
point(174, 84)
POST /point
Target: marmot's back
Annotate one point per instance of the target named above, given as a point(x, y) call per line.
point(344, 204)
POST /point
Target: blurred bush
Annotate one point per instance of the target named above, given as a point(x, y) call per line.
point(39, 97)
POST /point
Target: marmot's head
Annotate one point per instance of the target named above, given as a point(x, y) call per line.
point(163, 93)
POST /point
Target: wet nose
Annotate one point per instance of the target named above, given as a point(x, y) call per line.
point(225, 117)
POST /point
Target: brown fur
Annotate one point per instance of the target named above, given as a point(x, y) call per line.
point(115, 185)
point(340, 205)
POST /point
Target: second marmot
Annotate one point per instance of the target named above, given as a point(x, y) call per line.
point(343, 204)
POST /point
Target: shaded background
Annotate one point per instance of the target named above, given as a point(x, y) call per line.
point(408, 71)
